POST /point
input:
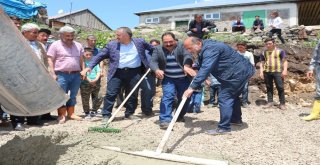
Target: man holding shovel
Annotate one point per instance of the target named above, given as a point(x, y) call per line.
point(127, 61)
point(230, 68)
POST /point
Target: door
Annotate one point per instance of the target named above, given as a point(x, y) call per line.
point(249, 16)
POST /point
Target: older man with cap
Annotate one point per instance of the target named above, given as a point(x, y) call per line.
point(66, 62)
point(128, 60)
point(230, 68)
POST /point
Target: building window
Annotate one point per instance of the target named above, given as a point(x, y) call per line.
point(153, 20)
point(212, 16)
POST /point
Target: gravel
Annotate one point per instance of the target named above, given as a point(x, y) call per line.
point(268, 137)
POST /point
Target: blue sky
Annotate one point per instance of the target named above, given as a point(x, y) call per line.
point(114, 13)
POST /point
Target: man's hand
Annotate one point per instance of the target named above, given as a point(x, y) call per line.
point(54, 76)
point(188, 92)
point(284, 73)
point(84, 73)
point(205, 30)
point(189, 71)
point(194, 30)
point(159, 74)
point(261, 75)
point(208, 82)
point(310, 74)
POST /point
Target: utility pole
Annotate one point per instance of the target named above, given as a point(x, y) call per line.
point(70, 13)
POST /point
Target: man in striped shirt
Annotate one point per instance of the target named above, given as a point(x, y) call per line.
point(171, 62)
point(273, 67)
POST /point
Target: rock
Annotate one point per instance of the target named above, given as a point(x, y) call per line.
point(257, 38)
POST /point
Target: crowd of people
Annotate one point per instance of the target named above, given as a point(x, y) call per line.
point(182, 68)
point(200, 27)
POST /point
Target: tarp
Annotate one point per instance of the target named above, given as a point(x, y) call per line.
point(23, 9)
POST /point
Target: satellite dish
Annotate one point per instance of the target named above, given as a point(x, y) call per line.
point(60, 11)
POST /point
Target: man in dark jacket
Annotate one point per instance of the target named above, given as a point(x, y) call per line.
point(257, 24)
point(127, 59)
point(170, 62)
point(230, 68)
point(199, 27)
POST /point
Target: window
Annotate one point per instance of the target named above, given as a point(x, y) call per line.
point(212, 16)
point(153, 20)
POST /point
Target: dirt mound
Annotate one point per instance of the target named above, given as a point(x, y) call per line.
point(36, 147)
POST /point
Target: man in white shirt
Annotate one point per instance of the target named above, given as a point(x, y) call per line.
point(275, 24)
point(242, 49)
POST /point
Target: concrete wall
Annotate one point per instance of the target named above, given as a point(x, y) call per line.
point(288, 12)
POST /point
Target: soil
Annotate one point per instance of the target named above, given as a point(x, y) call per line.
point(268, 137)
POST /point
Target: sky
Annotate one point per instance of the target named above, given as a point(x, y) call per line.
point(115, 13)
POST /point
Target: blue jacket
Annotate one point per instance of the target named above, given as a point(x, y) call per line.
point(112, 52)
point(230, 68)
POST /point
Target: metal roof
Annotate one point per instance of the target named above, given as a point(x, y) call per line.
point(74, 12)
point(213, 3)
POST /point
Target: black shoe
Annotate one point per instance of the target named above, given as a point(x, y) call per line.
point(148, 114)
point(48, 117)
point(35, 123)
point(237, 123)
point(181, 119)
point(217, 131)
point(133, 118)
point(164, 125)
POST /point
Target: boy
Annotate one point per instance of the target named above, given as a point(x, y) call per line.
point(214, 89)
point(242, 49)
point(90, 86)
point(273, 67)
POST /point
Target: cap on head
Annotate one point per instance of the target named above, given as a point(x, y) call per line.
point(45, 31)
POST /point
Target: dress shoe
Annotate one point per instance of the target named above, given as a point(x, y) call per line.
point(237, 123)
point(164, 125)
point(217, 131)
point(105, 120)
point(181, 119)
point(133, 118)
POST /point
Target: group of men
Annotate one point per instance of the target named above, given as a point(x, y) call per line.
point(200, 27)
point(171, 62)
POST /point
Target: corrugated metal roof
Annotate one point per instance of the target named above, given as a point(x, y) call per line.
point(213, 3)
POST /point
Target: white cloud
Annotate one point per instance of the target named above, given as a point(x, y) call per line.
point(60, 11)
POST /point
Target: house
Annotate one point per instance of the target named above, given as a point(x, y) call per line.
point(223, 12)
point(82, 18)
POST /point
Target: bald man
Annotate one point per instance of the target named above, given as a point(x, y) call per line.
point(230, 68)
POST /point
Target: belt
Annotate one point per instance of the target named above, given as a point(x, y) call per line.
point(126, 68)
point(69, 72)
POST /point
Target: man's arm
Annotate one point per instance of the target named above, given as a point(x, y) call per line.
point(51, 68)
point(154, 64)
point(285, 68)
point(313, 61)
point(103, 54)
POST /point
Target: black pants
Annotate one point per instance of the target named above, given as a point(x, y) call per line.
point(239, 29)
point(278, 31)
point(268, 79)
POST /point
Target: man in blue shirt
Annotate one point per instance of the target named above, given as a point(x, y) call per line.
point(230, 68)
point(127, 60)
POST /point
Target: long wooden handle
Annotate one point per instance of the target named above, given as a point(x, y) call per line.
point(169, 129)
point(126, 99)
